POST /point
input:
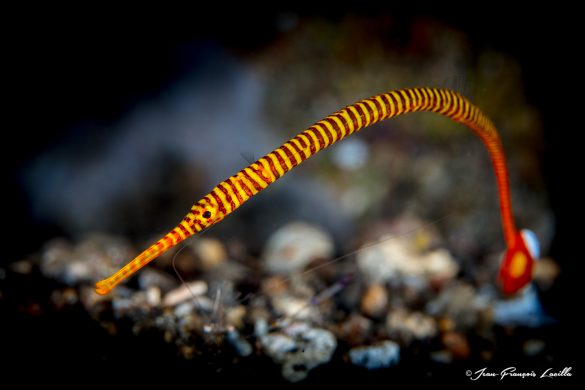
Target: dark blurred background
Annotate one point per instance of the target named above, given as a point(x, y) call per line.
point(75, 76)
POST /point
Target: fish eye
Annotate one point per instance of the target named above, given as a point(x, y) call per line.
point(206, 214)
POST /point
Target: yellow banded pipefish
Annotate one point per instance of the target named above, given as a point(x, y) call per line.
point(522, 247)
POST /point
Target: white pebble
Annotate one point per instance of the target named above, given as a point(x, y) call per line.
point(153, 296)
point(396, 260)
point(241, 345)
point(299, 349)
point(210, 251)
point(295, 245)
point(185, 292)
point(410, 325)
point(384, 354)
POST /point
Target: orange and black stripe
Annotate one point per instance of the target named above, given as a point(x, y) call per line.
point(233, 192)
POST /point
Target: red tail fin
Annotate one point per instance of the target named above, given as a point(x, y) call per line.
point(517, 266)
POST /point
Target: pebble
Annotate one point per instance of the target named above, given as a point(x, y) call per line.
point(299, 348)
point(381, 355)
point(410, 325)
point(55, 257)
point(235, 316)
point(240, 344)
point(385, 261)
point(457, 344)
point(278, 345)
point(149, 277)
point(457, 302)
point(445, 324)
point(397, 260)
point(153, 296)
point(210, 252)
point(229, 271)
point(94, 258)
point(355, 330)
point(132, 305)
point(185, 292)
point(296, 308)
point(443, 356)
point(439, 265)
point(546, 272)
point(63, 298)
point(375, 300)
point(522, 309)
point(23, 267)
point(274, 285)
point(261, 327)
point(295, 245)
point(184, 309)
point(533, 347)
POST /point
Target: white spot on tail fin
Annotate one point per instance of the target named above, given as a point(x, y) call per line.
point(531, 243)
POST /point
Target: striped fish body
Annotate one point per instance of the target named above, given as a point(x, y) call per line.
point(237, 189)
